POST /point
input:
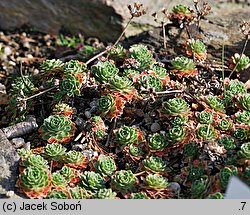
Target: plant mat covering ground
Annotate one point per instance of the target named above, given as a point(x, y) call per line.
point(129, 122)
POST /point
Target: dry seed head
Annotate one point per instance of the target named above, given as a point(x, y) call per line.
point(136, 10)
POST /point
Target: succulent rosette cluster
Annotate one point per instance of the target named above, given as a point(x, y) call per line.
point(243, 117)
point(53, 65)
point(23, 85)
point(124, 181)
point(155, 164)
point(105, 165)
point(215, 103)
point(74, 67)
point(138, 196)
point(34, 182)
point(71, 84)
point(200, 187)
point(127, 135)
point(239, 62)
point(196, 49)
point(175, 107)
point(57, 129)
point(91, 181)
point(75, 159)
point(54, 152)
point(228, 142)
point(183, 66)
point(181, 13)
point(111, 105)
point(142, 55)
point(177, 134)
point(243, 101)
point(105, 193)
point(233, 88)
point(156, 182)
point(245, 151)
point(225, 175)
point(217, 195)
point(206, 132)
point(104, 71)
point(157, 142)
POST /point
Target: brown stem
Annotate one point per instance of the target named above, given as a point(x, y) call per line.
point(109, 48)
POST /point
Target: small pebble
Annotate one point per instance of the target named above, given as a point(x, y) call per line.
point(7, 51)
point(155, 127)
point(87, 114)
point(175, 186)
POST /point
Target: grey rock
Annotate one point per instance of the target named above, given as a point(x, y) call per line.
point(155, 127)
point(8, 165)
point(100, 18)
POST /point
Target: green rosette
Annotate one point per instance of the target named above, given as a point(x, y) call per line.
point(183, 64)
point(35, 161)
point(104, 71)
point(176, 134)
point(243, 117)
point(228, 142)
point(206, 132)
point(157, 142)
point(181, 9)
point(104, 194)
point(200, 188)
point(58, 180)
point(124, 181)
point(57, 194)
point(91, 181)
point(225, 174)
point(57, 128)
point(34, 179)
point(156, 182)
point(68, 173)
point(241, 134)
point(175, 107)
point(159, 70)
point(135, 150)
point(54, 152)
point(70, 85)
point(52, 65)
point(217, 195)
point(150, 81)
point(155, 164)
point(142, 55)
point(244, 101)
point(205, 117)
point(74, 67)
point(106, 103)
point(225, 125)
point(120, 83)
point(126, 135)
point(215, 103)
point(245, 151)
point(105, 165)
point(138, 196)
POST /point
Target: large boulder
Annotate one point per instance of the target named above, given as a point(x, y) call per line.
point(99, 18)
